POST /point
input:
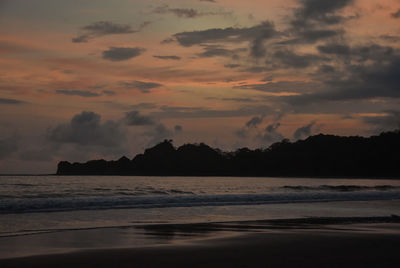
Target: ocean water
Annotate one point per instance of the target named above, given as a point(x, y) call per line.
point(42, 204)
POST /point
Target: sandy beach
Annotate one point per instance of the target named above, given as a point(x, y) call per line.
point(323, 243)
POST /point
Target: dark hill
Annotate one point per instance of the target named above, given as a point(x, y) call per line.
point(319, 155)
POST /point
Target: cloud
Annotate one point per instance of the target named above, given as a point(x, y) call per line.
point(289, 59)
point(109, 92)
point(231, 66)
point(179, 12)
point(218, 51)
point(254, 122)
point(178, 128)
point(396, 14)
point(247, 100)
point(334, 48)
point(8, 146)
point(304, 131)
point(390, 38)
point(134, 118)
point(102, 28)
point(314, 21)
point(389, 121)
point(158, 134)
point(144, 87)
point(144, 105)
point(122, 53)
point(186, 12)
point(86, 129)
point(212, 1)
point(155, 131)
point(361, 54)
point(264, 30)
point(167, 57)
point(360, 73)
point(255, 36)
point(81, 93)
point(310, 36)
point(201, 112)
point(271, 134)
point(316, 11)
point(11, 101)
point(281, 86)
point(250, 127)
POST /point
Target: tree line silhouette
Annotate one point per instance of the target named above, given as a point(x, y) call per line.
point(317, 156)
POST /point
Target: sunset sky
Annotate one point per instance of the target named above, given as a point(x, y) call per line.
point(92, 79)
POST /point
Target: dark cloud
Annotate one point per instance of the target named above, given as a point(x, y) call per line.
point(102, 28)
point(122, 53)
point(219, 51)
point(168, 57)
point(265, 137)
point(289, 59)
point(337, 49)
point(249, 127)
point(242, 133)
point(178, 128)
point(256, 36)
point(268, 78)
point(396, 14)
point(264, 30)
point(200, 112)
point(314, 21)
point(248, 100)
point(360, 73)
point(11, 101)
point(155, 131)
point(231, 66)
point(282, 86)
point(158, 134)
point(254, 122)
point(271, 134)
point(179, 12)
point(303, 132)
point(8, 146)
point(360, 54)
point(316, 11)
point(7, 47)
point(186, 12)
point(134, 118)
point(390, 38)
point(389, 121)
point(310, 36)
point(144, 87)
point(109, 92)
point(215, 51)
point(144, 105)
point(86, 129)
point(81, 93)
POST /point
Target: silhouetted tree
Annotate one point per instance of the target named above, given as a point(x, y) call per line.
point(319, 155)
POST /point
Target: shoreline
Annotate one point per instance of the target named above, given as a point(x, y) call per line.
point(350, 177)
point(262, 224)
point(252, 244)
point(278, 240)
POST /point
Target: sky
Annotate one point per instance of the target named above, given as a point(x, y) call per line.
point(93, 79)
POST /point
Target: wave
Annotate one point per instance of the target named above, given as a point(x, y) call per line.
point(342, 188)
point(125, 202)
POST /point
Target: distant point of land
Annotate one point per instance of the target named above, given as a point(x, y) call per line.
point(317, 156)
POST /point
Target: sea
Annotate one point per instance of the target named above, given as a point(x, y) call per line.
point(38, 205)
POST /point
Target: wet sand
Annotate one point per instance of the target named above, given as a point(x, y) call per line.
point(246, 244)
